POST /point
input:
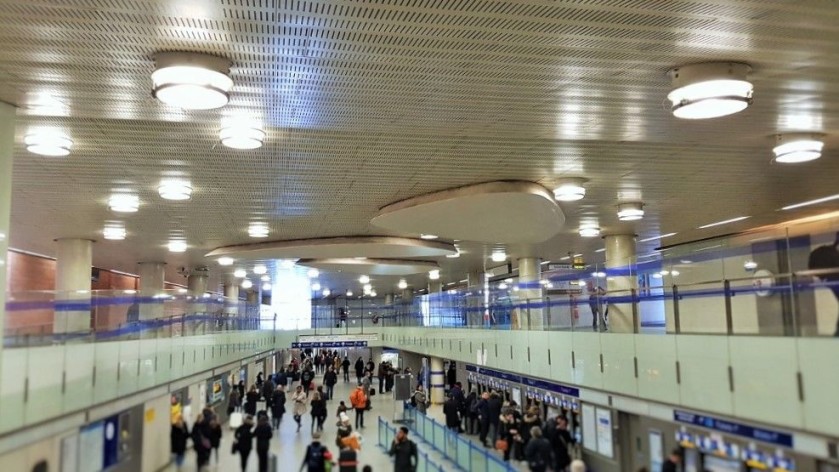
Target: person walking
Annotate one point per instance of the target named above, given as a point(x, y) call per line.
point(404, 452)
point(306, 378)
point(250, 401)
point(380, 373)
point(263, 435)
point(316, 456)
point(201, 442)
point(561, 441)
point(234, 401)
point(299, 409)
point(330, 378)
point(244, 441)
point(366, 383)
point(278, 400)
point(347, 460)
point(359, 369)
point(483, 418)
point(215, 437)
point(318, 411)
point(178, 439)
point(358, 400)
point(345, 365)
point(538, 451)
point(494, 405)
point(419, 399)
point(471, 416)
point(451, 410)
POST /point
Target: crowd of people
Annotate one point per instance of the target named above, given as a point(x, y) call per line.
point(256, 412)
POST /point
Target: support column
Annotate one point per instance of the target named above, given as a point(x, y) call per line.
point(231, 294)
point(74, 259)
point(388, 299)
point(620, 254)
point(435, 286)
point(252, 297)
point(408, 296)
point(7, 141)
point(475, 301)
point(152, 281)
point(530, 292)
point(438, 380)
point(197, 284)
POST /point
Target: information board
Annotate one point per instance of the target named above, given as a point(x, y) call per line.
point(589, 432)
point(604, 432)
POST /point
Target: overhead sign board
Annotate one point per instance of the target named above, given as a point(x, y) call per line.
point(739, 429)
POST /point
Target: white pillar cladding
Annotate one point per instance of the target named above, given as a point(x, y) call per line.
point(530, 271)
point(231, 293)
point(388, 299)
point(620, 253)
point(7, 141)
point(435, 286)
point(197, 284)
point(74, 259)
point(152, 281)
point(475, 300)
point(437, 381)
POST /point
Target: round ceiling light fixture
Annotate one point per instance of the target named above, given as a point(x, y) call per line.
point(403, 284)
point(242, 137)
point(265, 278)
point(240, 273)
point(570, 190)
point(122, 203)
point(364, 279)
point(177, 246)
point(114, 233)
point(793, 148)
point(313, 273)
point(191, 81)
point(175, 190)
point(316, 286)
point(367, 288)
point(326, 292)
point(589, 231)
point(499, 256)
point(260, 269)
point(247, 284)
point(630, 211)
point(266, 287)
point(48, 142)
point(258, 230)
point(710, 90)
point(434, 275)
point(225, 261)
point(428, 236)
point(349, 293)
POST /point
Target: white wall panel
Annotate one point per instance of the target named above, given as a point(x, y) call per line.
point(704, 373)
point(107, 362)
point(538, 343)
point(561, 343)
point(618, 363)
point(12, 386)
point(129, 355)
point(78, 368)
point(820, 376)
point(587, 360)
point(156, 432)
point(657, 368)
point(44, 374)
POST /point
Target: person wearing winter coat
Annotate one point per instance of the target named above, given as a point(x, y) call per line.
point(538, 451)
point(234, 401)
point(215, 437)
point(263, 434)
point(243, 441)
point(510, 431)
point(330, 378)
point(299, 400)
point(178, 439)
point(201, 441)
point(278, 406)
point(250, 401)
point(420, 400)
point(359, 369)
point(452, 410)
point(318, 410)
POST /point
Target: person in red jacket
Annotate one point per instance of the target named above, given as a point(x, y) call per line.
point(358, 400)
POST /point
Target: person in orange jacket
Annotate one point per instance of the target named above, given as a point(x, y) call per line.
point(358, 400)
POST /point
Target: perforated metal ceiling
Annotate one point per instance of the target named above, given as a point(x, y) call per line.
point(369, 102)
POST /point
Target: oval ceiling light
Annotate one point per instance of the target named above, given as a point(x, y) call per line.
point(247, 283)
point(313, 273)
point(326, 292)
point(260, 269)
point(373, 294)
point(403, 284)
point(266, 287)
point(177, 246)
point(51, 143)
point(242, 137)
point(798, 147)
point(367, 288)
point(434, 275)
point(710, 90)
point(175, 190)
point(570, 190)
point(316, 286)
point(258, 231)
point(631, 211)
point(287, 264)
point(364, 279)
point(240, 273)
point(428, 236)
point(349, 293)
point(225, 261)
point(191, 81)
point(114, 233)
point(122, 203)
point(589, 231)
point(265, 278)
point(498, 256)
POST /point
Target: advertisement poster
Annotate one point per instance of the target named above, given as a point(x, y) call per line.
point(217, 393)
point(589, 432)
point(92, 442)
point(604, 432)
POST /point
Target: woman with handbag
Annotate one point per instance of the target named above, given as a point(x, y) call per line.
point(508, 435)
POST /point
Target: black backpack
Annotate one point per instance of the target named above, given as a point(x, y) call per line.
point(314, 458)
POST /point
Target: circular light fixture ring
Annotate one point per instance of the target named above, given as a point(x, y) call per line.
point(794, 148)
point(191, 81)
point(710, 90)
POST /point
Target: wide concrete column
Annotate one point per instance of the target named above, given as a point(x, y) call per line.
point(388, 299)
point(475, 301)
point(231, 294)
point(74, 259)
point(438, 381)
point(152, 281)
point(620, 254)
point(530, 271)
point(7, 141)
point(408, 295)
point(196, 284)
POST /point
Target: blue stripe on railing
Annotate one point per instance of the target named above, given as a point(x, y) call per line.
point(87, 304)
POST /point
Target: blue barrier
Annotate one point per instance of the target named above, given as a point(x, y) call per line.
point(386, 435)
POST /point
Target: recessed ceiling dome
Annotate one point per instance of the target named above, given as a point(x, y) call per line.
point(382, 247)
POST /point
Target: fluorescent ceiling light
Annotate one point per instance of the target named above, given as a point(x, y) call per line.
point(654, 238)
point(266, 287)
point(750, 265)
point(364, 279)
point(265, 278)
point(811, 202)
point(242, 137)
point(258, 230)
point(434, 274)
point(113, 233)
point(313, 273)
point(326, 292)
point(516, 288)
point(247, 283)
point(315, 286)
point(598, 274)
point(260, 269)
point(175, 190)
point(498, 256)
point(48, 142)
point(710, 90)
point(602, 249)
point(177, 246)
point(544, 262)
point(570, 190)
point(373, 293)
point(428, 236)
point(349, 293)
point(367, 288)
point(240, 273)
point(191, 81)
point(225, 261)
point(589, 231)
point(402, 284)
point(630, 211)
point(122, 203)
point(798, 147)
point(502, 286)
point(724, 222)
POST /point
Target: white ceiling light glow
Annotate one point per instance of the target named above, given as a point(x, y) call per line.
point(454, 256)
point(589, 231)
point(655, 238)
point(434, 274)
point(114, 233)
point(326, 292)
point(402, 284)
point(724, 222)
point(313, 273)
point(191, 81)
point(349, 293)
point(247, 284)
point(315, 286)
point(630, 211)
point(798, 147)
point(240, 273)
point(367, 288)
point(260, 269)
point(242, 137)
point(50, 143)
point(177, 246)
point(570, 190)
point(811, 202)
point(266, 287)
point(364, 279)
point(428, 236)
point(710, 90)
point(122, 203)
point(225, 261)
point(258, 230)
point(287, 264)
point(499, 256)
point(265, 278)
point(175, 190)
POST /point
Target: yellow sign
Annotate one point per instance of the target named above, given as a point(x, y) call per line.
point(150, 415)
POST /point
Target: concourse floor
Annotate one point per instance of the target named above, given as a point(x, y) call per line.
point(290, 446)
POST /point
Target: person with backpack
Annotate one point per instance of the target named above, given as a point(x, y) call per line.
point(404, 452)
point(358, 400)
point(419, 399)
point(316, 456)
point(268, 392)
point(243, 442)
point(330, 378)
point(347, 459)
point(278, 400)
point(538, 451)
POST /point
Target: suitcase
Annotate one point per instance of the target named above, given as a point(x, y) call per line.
point(235, 419)
point(372, 392)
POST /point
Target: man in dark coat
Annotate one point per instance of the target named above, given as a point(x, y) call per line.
point(404, 452)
